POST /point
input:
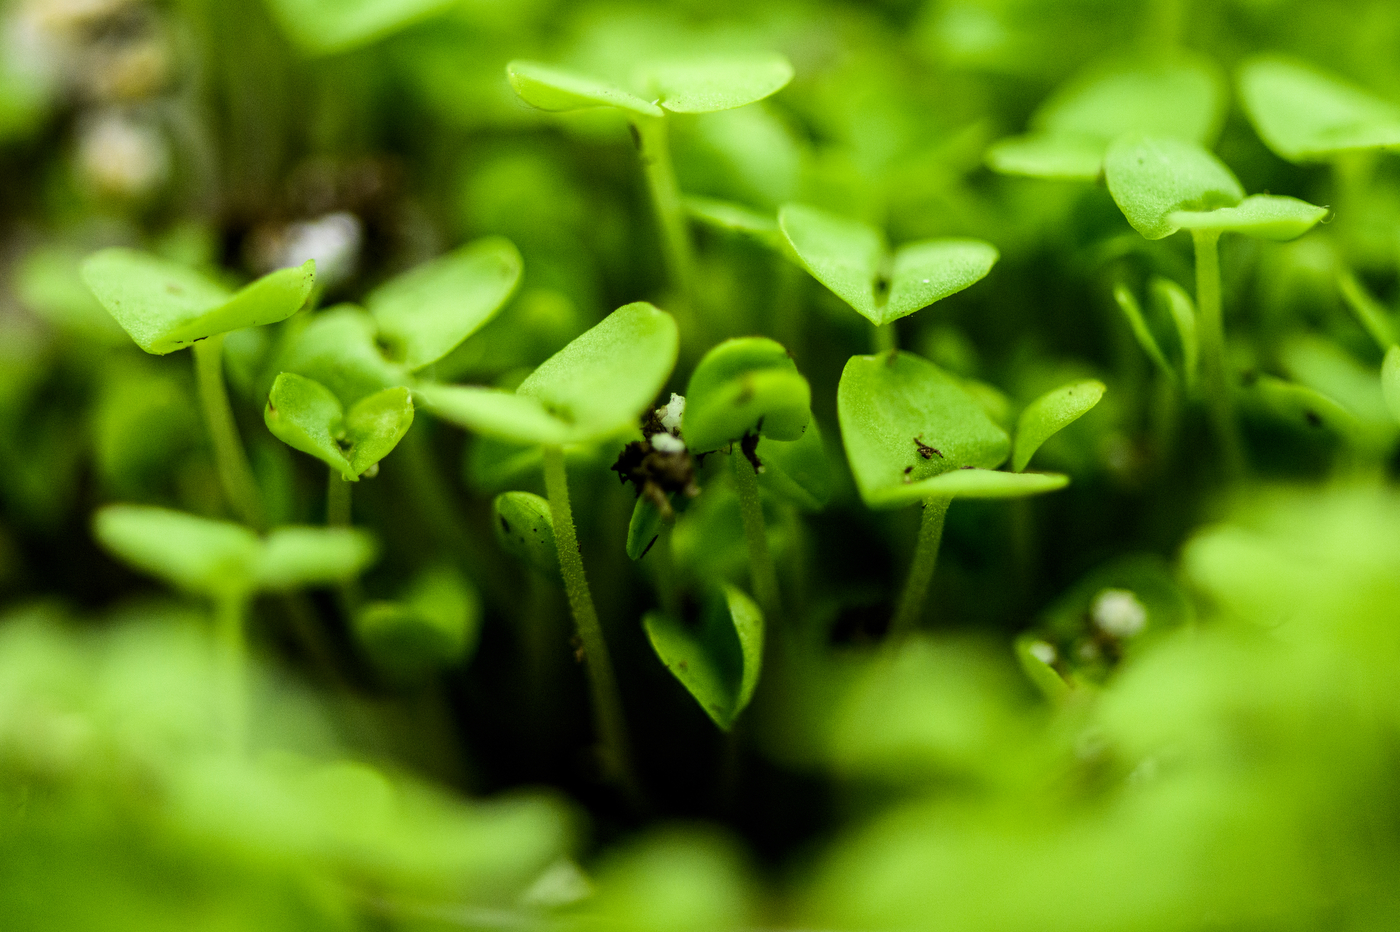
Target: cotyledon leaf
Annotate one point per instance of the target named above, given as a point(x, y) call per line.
point(323, 27)
point(338, 347)
point(428, 311)
point(1301, 406)
point(1128, 304)
point(201, 555)
point(1156, 180)
point(720, 660)
point(433, 625)
point(1051, 413)
point(707, 85)
point(644, 528)
point(165, 306)
point(494, 412)
point(375, 424)
point(797, 470)
point(1263, 216)
point(1044, 155)
point(297, 557)
point(548, 88)
point(524, 527)
point(307, 416)
point(1307, 115)
point(1183, 314)
point(850, 258)
point(741, 385)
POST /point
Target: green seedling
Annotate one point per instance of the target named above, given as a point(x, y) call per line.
point(434, 625)
point(677, 87)
point(1182, 97)
point(1049, 414)
point(1164, 185)
point(1305, 114)
point(1182, 311)
point(743, 390)
point(913, 434)
point(524, 528)
point(327, 27)
point(165, 307)
point(339, 348)
point(229, 564)
point(592, 390)
point(851, 259)
point(718, 661)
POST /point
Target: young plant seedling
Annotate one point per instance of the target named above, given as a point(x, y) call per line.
point(307, 416)
point(1307, 115)
point(592, 390)
point(229, 564)
point(1182, 97)
point(433, 626)
point(742, 390)
point(1165, 185)
point(718, 661)
point(1049, 414)
point(913, 434)
point(851, 259)
point(164, 307)
point(675, 87)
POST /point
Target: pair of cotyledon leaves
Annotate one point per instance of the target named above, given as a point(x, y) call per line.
point(702, 85)
point(222, 560)
point(1181, 97)
point(1182, 310)
point(434, 624)
point(913, 433)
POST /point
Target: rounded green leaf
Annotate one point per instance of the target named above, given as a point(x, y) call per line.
point(600, 384)
point(844, 255)
point(1306, 115)
point(1390, 380)
point(494, 412)
point(338, 348)
point(428, 311)
point(435, 625)
point(931, 270)
point(306, 416)
point(1051, 413)
point(323, 27)
point(1154, 180)
point(549, 88)
point(1043, 155)
point(644, 528)
point(712, 84)
point(1182, 98)
point(296, 557)
point(904, 421)
point(718, 661)
point(525, 529)
point(212, 558)
point(1264, 216)
point(375, 425)
point(165, 306)
point(797, 470)
point(742, 385)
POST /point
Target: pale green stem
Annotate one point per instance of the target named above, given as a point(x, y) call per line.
point(654, 148)
point(235, 475)
point(229, 637)
point(911, 603)
point(1216, 374)
point(886, 340)
point(337, 500)
point(761, 571)
point(607, 700)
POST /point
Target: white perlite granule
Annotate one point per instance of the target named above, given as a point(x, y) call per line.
point(1117, 612)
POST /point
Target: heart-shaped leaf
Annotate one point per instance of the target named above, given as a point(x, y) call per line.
point(644, 528)
point(1051, 413)
point(797, 470)
point(719, 661)
point(338, 348)
point(1390, 380)
point(1182, 98)
point(601, 382)
point(548, 88)
point(1128, 303)
point(1306, 115)
point(1155, 180)
point(905, 422)
point(1263, 216)
point(323, 27)
point(307, 416)
point(225, 560)
point(850, 258)
point(297, 557)
point(525, 529)
point(711, 84)
point(433, 626)
point(742, 385)
point(200, 555)
point(165, 306)
point(428, 311)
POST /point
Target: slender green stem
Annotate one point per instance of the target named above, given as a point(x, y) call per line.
point(607, 700)
point(653, 146)
point(886, 339)
point(229, 636)
point(1216, 374)
point(911, 603)
point(337, 500)
point(235, 475)
point(761, 571)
